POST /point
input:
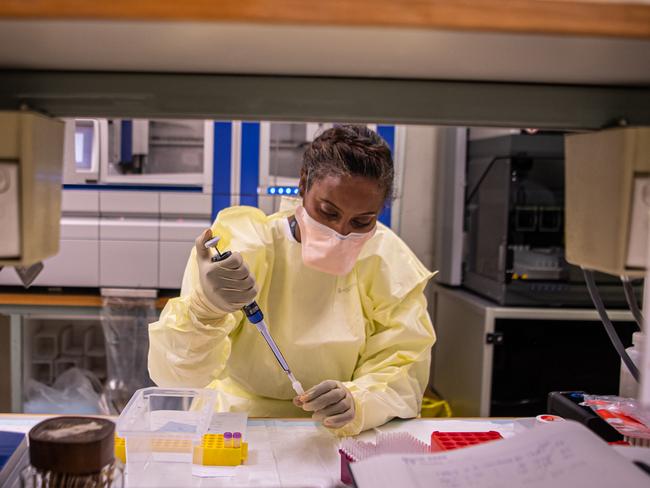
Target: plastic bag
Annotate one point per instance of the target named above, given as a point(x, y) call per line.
point(75, 391)
point(125, 321)
point(626, 415)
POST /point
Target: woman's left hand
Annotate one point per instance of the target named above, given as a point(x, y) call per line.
point(331, 402)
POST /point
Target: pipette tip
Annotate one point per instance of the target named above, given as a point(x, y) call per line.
point(297, 387)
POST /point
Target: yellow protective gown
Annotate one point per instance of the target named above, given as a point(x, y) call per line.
point(369, 329)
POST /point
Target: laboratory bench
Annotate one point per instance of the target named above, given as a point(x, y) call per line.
point(300, 452)
point(24, 313)
point(284, 452)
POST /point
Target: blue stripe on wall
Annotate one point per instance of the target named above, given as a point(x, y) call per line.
point(126, 141)
point(388, 133)
point(222, 167)
point(250, 163)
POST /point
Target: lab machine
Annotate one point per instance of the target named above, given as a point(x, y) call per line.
point(135, 195)
point(544, 205)
point(280, 162)
point(137, 192)
point(509, 197)
point(139, 152)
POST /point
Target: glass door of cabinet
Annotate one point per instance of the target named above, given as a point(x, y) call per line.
point(158, 151)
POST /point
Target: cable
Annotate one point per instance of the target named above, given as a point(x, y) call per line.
point(609, 327)
point(514, 157)
point(631, 301)
point(471, 194)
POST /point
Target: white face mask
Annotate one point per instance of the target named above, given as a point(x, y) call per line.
point(326, 250)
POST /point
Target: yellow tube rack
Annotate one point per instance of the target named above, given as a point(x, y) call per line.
point(211, 452)
point(120, 449)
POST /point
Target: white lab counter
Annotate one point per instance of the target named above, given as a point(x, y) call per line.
point(298, 453)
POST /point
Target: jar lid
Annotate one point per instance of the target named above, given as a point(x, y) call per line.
point(74, 445)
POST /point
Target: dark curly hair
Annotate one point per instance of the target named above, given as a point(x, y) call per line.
point(352, 150)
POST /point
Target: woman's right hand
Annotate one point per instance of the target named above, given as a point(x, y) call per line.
point(227, 284)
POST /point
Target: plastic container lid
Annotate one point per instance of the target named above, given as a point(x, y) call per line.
point(72, 445)
point(183, 413)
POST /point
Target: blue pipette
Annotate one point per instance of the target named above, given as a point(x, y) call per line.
point(256, 317)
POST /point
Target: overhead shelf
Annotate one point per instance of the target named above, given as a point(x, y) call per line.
point(567, 64)
point(573, 17)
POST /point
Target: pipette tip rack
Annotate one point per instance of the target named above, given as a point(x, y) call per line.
point(214, 450)
point(446, 441)
point(352, 450)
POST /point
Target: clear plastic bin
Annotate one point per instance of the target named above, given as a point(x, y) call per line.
point(161, 426)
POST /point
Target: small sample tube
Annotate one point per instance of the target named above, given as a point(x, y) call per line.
point(547, 419)
point(236, 440)
point(227, 439)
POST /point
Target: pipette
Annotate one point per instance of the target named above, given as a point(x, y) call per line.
point(256, 317)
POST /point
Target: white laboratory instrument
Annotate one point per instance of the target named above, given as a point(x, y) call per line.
point(138, 152)
point(128, 230)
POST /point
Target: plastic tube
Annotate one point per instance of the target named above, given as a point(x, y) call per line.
point(609, 327)
point(236, 440)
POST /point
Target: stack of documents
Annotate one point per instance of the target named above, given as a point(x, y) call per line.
point(558, 455)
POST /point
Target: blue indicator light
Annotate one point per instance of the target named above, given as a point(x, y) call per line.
point(283, 190)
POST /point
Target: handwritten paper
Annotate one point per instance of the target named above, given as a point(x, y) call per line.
point(560, 455)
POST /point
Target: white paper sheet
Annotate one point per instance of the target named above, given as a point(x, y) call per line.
point(228, 422)
point(561, 455)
